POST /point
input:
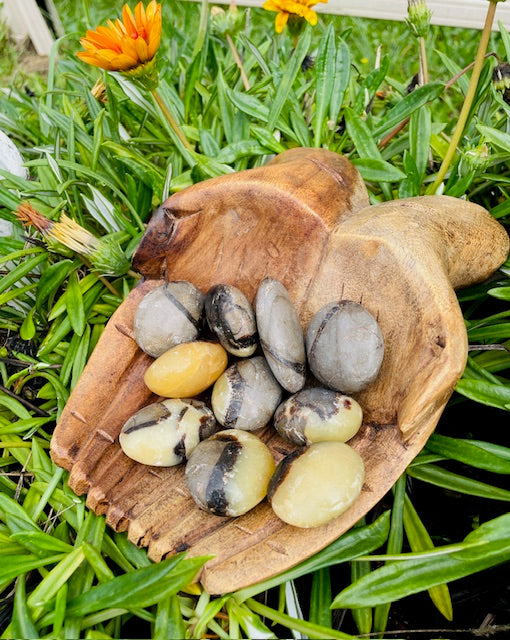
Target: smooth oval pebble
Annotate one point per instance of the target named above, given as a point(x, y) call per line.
point(345, 347)
point(186, 370)
point(168, 315)
point(228, 473)
point(281, 336)
point(246, 395)
point(318, 415)
point(314, 485)
point(164, 434)
point(230, 315)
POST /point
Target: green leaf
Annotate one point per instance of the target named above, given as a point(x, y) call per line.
point(96, 561)
point(10, 508)
point(41, 543)
point(320, 598)
point(340, 79)
point(22, 625)
point(454, 482)
point(419, 540)
point(493, 395)
point(16, 292)
point(490, 332)
point(399, 579)
point(325, 64)
point(377, 170)
point(352, 544)
point(363, 615)
point(420, 130)
point(21, 271)
point(56, 334)
point(27, 329)
point(289, 75)
point(13, 566)
point(496, 137)
point(469, 452)
point(361, 136)
point(169, 623)
point(51, 279)
point(15, 406)
point(502, 293)
point(394, 546)
point(413, 101)
point(74, 304)
point(301, 626)
point(140, 588)
point(56, 578)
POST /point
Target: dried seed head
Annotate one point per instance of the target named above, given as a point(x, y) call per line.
point(105, 253)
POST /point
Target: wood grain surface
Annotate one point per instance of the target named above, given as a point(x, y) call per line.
point(305, 220)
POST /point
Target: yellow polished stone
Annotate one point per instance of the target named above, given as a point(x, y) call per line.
point(186, 370)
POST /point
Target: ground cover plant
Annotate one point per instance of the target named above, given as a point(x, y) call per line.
point(102, 151)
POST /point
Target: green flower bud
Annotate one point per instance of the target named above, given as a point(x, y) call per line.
point(418, 19)
point(475, 159)
point(223, 22)
point(108, 259)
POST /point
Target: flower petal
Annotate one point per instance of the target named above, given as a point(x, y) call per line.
point(128, 47)
point(141, 20)
point(311, 16)
point(281, 21)
point(94, 60)
point(142, 49)
point(127, 44)
point(270, 5)
point(129, 22)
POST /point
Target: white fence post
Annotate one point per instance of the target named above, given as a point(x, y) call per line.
point(24, 19)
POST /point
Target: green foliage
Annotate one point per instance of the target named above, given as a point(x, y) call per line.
point(108, 163)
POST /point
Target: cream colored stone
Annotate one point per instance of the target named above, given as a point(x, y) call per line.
point(186, 370)
point(315, 485)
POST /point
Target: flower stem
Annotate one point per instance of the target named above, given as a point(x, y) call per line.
point(237, 59)
point(470, 95)
point(424, 68)
point(171, 120)
point(107, 284)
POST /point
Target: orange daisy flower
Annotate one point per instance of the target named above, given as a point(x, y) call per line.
point(125, 45)
point(286, 8)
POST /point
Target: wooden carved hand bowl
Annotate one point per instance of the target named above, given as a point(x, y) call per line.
point(303, 219)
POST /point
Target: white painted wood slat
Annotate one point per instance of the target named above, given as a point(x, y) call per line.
point(452, 13)
point(25, 19)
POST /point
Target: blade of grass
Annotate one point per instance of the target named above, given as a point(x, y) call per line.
point(420, 540)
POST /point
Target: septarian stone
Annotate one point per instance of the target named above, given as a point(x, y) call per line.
point(281, 336)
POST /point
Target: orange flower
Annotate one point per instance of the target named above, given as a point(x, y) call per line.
point(286, 8)
point(126, 45)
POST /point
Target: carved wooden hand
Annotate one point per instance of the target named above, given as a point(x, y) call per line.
point(303, 219)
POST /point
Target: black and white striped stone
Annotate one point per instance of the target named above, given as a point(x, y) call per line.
point(317, 415)
point(228, 473)
point(167, 316)
point(164, 434)
point(231, 317)
point(345, 346)
point(280, 333)
point(246, 395)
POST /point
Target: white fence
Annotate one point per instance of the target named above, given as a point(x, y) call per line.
point(451, 13)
